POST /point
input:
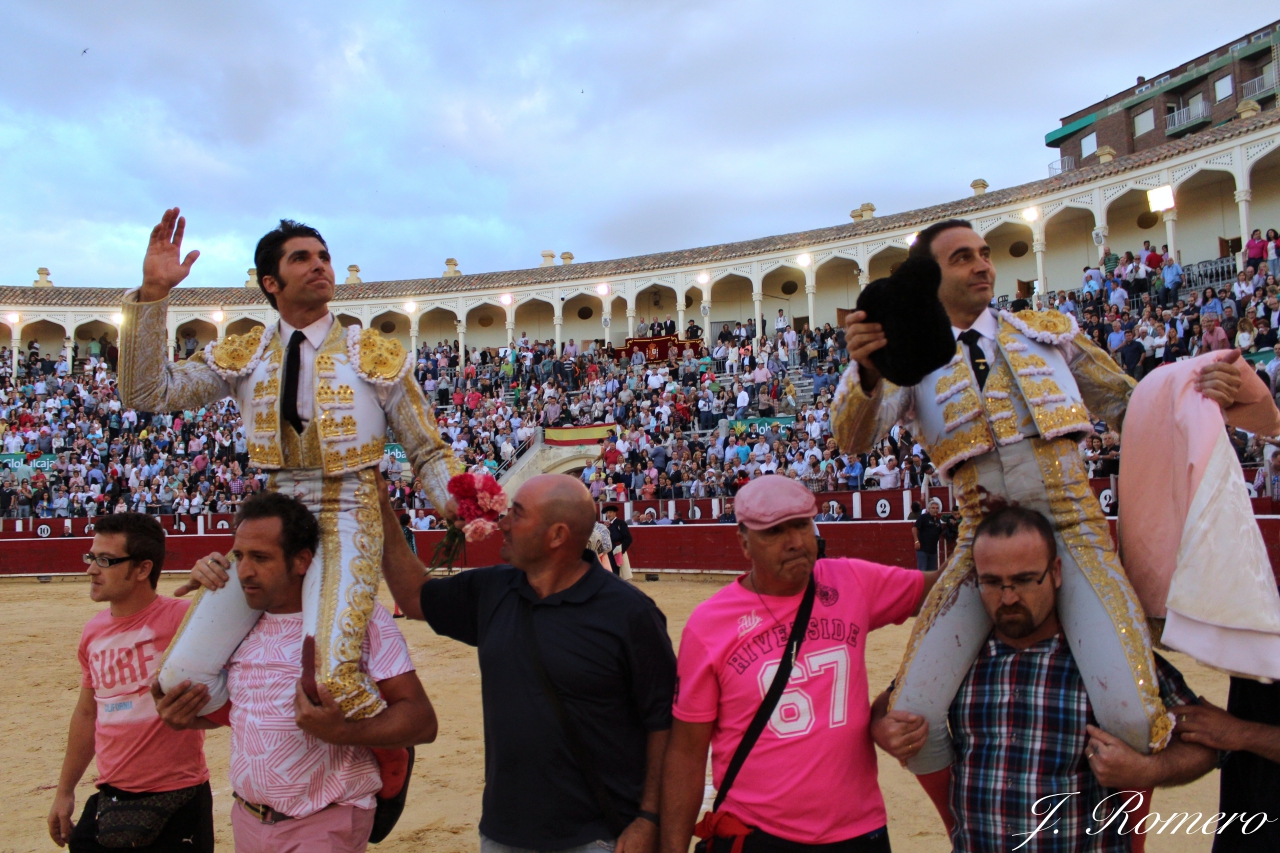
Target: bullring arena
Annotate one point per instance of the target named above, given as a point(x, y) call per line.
point(40, 620)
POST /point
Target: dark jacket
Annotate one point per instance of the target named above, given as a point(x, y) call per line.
point(620, 534)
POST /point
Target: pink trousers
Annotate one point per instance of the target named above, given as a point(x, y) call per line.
point(337, 829)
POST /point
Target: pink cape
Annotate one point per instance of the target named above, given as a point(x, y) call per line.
point(1188, 539)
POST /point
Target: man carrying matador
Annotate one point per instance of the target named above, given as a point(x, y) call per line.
point(316, 399)
point(1001, 400)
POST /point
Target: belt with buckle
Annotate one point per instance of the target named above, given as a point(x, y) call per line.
point(266, 814)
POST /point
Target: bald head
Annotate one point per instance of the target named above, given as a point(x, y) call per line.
point(560, 499)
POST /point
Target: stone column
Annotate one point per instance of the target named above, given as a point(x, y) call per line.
point(511, 332)
point(14, 346)
point(631, 322)
point(461, 328)
point(1038, 247)
point(606, 315)
point(680, 320)
point(1170, 222)
point(756, 298)
point(1105, 232)
point(559, 321)
point(706, 324)
point(1243, 197)
point(811, 291)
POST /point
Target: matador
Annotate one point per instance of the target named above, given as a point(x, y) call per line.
point(316, 399)
point(1002, 421)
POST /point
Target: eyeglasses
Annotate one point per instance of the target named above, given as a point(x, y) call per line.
point(104, 561)
point(998, 587)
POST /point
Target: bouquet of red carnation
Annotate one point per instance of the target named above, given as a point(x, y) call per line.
point(481, 502)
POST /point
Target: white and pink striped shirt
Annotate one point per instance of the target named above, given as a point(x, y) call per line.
point(275, 763)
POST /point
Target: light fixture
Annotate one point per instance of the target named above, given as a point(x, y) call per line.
point(116, 318)
point(1031, 214)
point(703, 278)
point(218, 316)
point(505, 299)
point(603, 288)
point(1160, 198)
point(12, 318)
point(410, 307)
point(804, 259)
point(911, 238)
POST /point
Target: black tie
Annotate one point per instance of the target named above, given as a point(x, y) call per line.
point(289, 400)
point(977, 357)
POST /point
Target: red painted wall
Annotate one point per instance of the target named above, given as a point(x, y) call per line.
point(696, 547)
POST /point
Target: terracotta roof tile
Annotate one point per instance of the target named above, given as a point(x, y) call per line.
point(705, 256)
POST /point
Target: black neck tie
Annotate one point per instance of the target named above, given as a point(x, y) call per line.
point(977, 358)
point(289, 398)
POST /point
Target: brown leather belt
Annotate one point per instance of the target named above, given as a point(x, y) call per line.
point(266, 814)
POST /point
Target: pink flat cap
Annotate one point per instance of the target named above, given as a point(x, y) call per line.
point(773, 499)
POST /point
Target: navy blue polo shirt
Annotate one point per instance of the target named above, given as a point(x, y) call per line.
point(605, 646)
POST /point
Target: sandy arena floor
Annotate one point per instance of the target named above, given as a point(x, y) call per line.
point(40, 626)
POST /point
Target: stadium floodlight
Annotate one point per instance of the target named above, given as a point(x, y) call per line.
point(218, 316)
point(1160, 198)
point(603, 288)
point(12, 318)
point(505, 299)
point(116, 318)
point(804, 259)
point(703, 278)
point(911, 238)
point(1031, 214)
point(410, 307)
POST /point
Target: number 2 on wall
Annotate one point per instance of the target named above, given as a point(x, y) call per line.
point(794, 715)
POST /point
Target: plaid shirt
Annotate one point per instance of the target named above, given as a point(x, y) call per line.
point(1019, 727)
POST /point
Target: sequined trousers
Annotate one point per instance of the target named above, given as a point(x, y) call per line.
point(1100, 614)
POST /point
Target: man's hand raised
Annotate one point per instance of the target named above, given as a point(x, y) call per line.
point(164, 267)
point(861, 340)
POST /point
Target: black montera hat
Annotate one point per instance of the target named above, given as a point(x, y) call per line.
point(916, 325)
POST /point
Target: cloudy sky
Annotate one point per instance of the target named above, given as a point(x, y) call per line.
point(489, 131)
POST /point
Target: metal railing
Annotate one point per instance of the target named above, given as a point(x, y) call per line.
point(1062, 164)
point(1258, 85)
point(1187, 115)
point(1214, 273)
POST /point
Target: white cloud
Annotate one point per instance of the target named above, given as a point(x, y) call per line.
point(490, 131)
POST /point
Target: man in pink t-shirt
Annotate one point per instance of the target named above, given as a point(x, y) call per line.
point(304, 777)
point(811, 777)
point(115, 720)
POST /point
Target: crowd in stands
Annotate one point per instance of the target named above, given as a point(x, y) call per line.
point(774, 386)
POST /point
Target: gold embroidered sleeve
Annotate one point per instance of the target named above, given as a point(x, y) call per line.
point(1103, 385)
point(859, 419)
point(433, 461)
point(150, 382)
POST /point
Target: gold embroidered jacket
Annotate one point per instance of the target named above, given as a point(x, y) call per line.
point(363, 383)
point(1046, 378)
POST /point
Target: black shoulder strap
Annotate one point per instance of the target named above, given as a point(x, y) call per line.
point(581, 754)
point(765, 711)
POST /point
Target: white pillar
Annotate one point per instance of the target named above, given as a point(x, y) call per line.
point(680, 320)
point(1038, 247)
point(606, 318)
point(511, 333)
point(1105, 232)
point(461, 328)
point(756, 298)
point(14, 346)
point(811, 291)
point(413, 345)
point(706, 324)
point(631, 322)
point(1243, 197)
point(1170, 220)
point(559, 321)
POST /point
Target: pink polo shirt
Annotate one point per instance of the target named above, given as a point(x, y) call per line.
point(811, 777)
point(275, 763)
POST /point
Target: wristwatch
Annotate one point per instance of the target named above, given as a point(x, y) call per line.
point(649, 816)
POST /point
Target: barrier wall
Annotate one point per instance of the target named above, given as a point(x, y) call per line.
point(683, 547)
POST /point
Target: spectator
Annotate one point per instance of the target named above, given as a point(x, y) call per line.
point(927, 530)
point(557, 633)
point(141, 763)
